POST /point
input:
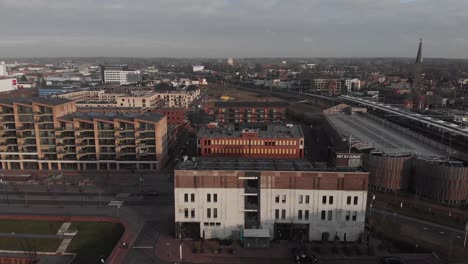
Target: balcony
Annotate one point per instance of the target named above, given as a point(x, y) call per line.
point(44, 119)
point(126, 136)
point(28, 143)
point(87, 151)
point(84, 135)
point(8, 134)
point(86, 143)
point(7, 119)
point(106, 135)
point(46, 126)
point(25, 112)
point(65, 151)
point(125, 129)
point(43, 112)
point(146, 129)
point(110, 129)
point(85, 129)
point(87, 157)
point(29, 149)
point(6, 111)
point(126, 143)
point(26, 127)
point(49, 151)
point(70, 156)
point(64, 128)
point(64, 134)
point(150, 157)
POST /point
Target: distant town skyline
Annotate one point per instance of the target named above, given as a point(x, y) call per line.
point(233, 28)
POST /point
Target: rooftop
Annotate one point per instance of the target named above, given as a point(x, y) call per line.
point(250, 164)
point(264, 131)
point(47, 101)
point(250, 104)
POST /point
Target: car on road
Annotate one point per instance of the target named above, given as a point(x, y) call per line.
point(151, 194)
point(300, 256)
point(391, 260)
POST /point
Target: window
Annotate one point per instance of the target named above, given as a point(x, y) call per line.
point(348, 200)
point(192, 213)
point(330, 200)
point(306, 214)
point(185, 197)
point(284, 198)
point(301, 198)
point(208, 212)
point(324, 200)
point(283, 214)
point(277, 214)
point(186, 212)
point(192, 197)
point(307, 199)
point(323, 214)
point(215, 197)
point(355, 200)
point(215, 212)
point(299, 214)
point(208, 197)
point(354, 216)
point(277, 199)
point(330, 215)
point(348, 215)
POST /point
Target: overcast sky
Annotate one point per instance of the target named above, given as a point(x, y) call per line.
point(233, 28)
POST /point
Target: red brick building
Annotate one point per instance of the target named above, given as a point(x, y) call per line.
point(268, 141)
point(175, 115)
point(250, 112)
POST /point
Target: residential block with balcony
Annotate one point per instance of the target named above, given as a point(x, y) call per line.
point(49, 134)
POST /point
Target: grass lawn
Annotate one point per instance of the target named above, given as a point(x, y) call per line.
point(94, 239)
point(29, 244)
point(30, 227)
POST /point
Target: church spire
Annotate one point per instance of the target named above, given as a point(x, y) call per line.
point(419, 57)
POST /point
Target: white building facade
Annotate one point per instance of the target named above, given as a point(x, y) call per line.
point(299, 205)
point(121, 77)
point(353, 84)
point(3, 69)
point(8, 84)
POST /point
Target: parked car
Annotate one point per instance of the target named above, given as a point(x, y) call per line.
point(300, 256)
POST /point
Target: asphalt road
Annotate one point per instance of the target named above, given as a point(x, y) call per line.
point(429, 231)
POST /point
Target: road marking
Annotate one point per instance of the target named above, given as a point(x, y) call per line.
point(142, 247)
point(425, 228)
point(442, 233)
point(459, 237)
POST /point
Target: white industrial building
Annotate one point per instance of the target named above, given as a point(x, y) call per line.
point(353, 84)
point(121, 77)
point(291, 200)
point(3, 69)
point(8, 84)
point(198, 68)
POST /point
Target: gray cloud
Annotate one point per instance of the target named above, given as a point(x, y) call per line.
point(238, 28)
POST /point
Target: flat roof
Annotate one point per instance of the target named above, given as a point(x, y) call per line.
point(46, 101)
point(265, 131)
point(250, 104)
point(251, 164)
